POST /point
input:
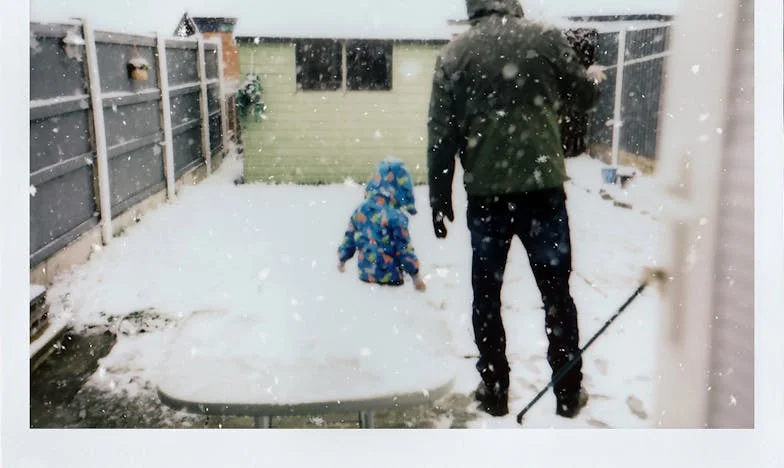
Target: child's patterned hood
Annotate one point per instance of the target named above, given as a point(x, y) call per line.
point(392, 181)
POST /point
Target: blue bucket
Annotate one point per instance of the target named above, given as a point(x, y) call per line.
point(609, 175)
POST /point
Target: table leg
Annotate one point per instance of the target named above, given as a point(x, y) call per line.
point(262, 422)
point(366, 419)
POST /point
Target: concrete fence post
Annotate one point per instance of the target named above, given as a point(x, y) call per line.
point(168, 139)
point(222, 93)
point(99, 131)
point(205, 111)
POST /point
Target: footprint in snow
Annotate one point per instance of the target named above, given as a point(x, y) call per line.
point(597, 423)
point(601, 365)
point(639, 378)
point(636, 407)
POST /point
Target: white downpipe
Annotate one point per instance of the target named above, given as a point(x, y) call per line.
point(99, 129)
point(168, 148)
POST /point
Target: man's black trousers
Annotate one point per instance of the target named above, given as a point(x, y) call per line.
point(541, 222)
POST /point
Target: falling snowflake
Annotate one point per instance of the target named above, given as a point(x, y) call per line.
point(695, 69)
point(365, 352)
point(733, 400)
point(33, 190)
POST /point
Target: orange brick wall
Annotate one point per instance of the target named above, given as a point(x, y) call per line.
point(231, 58)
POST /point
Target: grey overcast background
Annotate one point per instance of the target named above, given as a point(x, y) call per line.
point(271, 18)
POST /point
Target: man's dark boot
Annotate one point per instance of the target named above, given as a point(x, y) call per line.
point(495, 401)
point(569, 406)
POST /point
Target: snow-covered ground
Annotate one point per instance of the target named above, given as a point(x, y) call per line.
point(267, 254)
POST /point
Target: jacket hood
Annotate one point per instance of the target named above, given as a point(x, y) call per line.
point(479, 8)
point(392, 181)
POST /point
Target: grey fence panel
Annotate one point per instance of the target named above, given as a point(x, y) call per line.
point(62, 205)
point(52, 73)
point(607, 49)
point(113, 59)
point(126, 123)
point(185, 108)
point(211, 60)
point(59, 138)
point(182, 58)
point(213, 104)
point(213, 98)
point(61, 209)
point(640, 110)
point(187, 147)
point(606, 55)
point(146, 165)
point(216, 140)
point(641, 92)
point(186, 120)
point(646, 42)
point(185, 104)
point(600, 120)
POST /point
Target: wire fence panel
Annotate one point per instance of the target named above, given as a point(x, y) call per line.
point(643, 64)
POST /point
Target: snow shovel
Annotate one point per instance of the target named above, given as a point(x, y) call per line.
point(650, 275)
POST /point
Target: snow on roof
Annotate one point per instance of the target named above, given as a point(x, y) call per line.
point(399, 19)
point(368, 19)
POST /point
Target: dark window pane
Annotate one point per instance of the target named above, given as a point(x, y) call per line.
point(368, 65)
point(318, 64)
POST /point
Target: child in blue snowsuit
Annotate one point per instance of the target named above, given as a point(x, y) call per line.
point(378, 229)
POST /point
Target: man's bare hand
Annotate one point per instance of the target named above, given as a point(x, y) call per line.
point(596, 73)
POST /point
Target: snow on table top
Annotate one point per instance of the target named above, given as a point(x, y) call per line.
point(339, 357)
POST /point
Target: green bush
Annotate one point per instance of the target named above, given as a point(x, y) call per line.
point(249, 99)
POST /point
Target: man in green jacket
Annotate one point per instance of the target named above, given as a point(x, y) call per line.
point(497, 92)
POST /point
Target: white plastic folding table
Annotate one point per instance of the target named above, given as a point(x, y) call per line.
point(213, 367)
